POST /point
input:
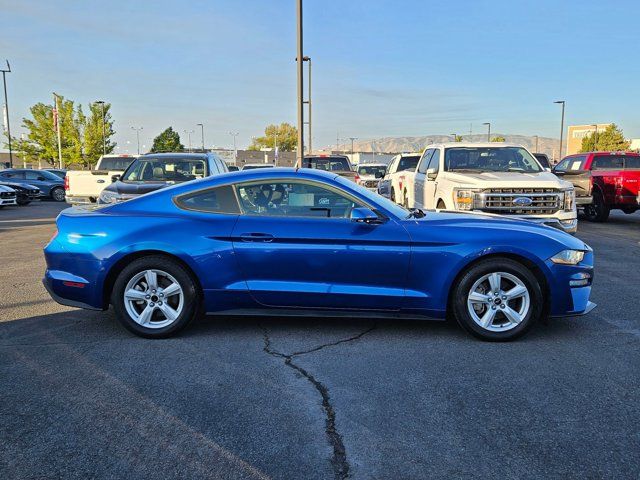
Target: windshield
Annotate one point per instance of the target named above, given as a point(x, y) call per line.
point(374, 198)
point(116, 163)
point(165, 170)
point(490, 159)
point(371, 170)
point(333, 164)
point(408, 163)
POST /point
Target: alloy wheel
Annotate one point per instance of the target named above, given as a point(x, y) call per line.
point(153, 298)
point(498, 301)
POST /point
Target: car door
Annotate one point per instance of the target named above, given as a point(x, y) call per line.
point(297, 247)
point(431, 181)
point(35, 178)
point(419, 179)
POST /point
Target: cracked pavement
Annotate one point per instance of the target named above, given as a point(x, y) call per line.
point(315, 398)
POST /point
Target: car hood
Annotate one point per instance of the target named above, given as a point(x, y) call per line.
point(495, 229)
point(20, 186)
point(137, 188)
point(508, 179)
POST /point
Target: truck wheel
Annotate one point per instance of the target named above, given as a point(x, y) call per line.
point(597, 211)
point(58, 194)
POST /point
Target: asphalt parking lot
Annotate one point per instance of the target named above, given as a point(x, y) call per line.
point(80, 397)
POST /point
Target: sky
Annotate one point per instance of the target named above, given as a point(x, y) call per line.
point(380, 68)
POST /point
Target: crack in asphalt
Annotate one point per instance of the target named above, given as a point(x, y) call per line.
point(339, 460)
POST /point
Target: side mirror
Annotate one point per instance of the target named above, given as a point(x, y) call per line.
point(115, 178)
point(379, 174)
point(547, 169)
point(364, 215)
point(432, 173)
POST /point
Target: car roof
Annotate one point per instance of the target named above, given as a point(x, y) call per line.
point(183, 155)
point(475, 145)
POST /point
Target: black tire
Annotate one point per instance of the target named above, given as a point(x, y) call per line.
point(461, 292)
point(57, 194)
point(598, 211)
point(192, 298)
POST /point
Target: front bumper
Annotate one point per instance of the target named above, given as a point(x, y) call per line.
point(8, 201)
point(581, 201)
point(569, 300)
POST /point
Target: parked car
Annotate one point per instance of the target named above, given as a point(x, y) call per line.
point(285, 241)
point(50, 185)
point(57, 171)
point(543, 160)
point(154, 171)
point(85, 186)
point(393, 180)
point(338, 164)
point(254, 166)
point(370, 174)
point(609, 179)
point(25, 193)
point(495, 178)
point(8, 196)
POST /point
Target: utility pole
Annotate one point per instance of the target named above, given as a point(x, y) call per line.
point(275, 146)
point(536, 143)
point(488, 124)
point(137, 136)
point(104, 131)
point(235, 149)
point(6, 110)
point(337, 141)
point(201, 134)
point(56, 119)
point(299, 60)
point(352, 139)
point(189, 132)
point(308, 102)
point(561, 128)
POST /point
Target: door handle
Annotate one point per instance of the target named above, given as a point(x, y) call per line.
point(256, 237)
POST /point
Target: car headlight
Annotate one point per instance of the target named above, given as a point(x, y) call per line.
point(464, 199)
point(107, 196)
point(569, 200)
point(568, 257)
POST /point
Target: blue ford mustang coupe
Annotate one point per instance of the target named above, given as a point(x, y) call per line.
point(298, 242)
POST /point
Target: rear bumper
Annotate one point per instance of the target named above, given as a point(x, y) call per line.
point(48, 283)
point(80, 199)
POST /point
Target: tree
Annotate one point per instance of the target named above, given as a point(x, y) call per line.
point(458, 138)
point(611, 140)
point(284, 135)
point(76, 132)
point(92, 135)
point(167, 141)
point(498, 139)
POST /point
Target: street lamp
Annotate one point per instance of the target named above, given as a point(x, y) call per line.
point(561, 128)
point(137, 129)
point(56, 117)
point(308, 102)
point(536, 143)
point(595, 136)
point(235, 150)
point(104, 133)
point(6, 109)
point(352, 139)
point(300, 86)
point(202, 134)
point(189, 132)
point(488, 124)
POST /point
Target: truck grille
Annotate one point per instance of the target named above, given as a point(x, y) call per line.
point(536, 201)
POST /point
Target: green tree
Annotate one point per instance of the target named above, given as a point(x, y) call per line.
point(92, 135)
point(458, 138)
point(167, 141)
point(284, 135)
point(498, 139)
point(612, 140)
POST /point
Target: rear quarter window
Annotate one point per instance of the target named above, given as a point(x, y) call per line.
point(215, 200)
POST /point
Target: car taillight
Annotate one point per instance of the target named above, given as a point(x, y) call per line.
point(66, 183)
point(357, 178)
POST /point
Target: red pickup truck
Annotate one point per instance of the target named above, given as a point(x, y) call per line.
point(604, 180)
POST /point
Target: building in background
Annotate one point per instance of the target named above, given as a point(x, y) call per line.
point(635, 144)
point(576, 133)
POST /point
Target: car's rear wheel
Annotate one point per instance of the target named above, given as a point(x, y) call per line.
point(155, 297)
point(598, 210)
point(58, 194)
point(497, 300)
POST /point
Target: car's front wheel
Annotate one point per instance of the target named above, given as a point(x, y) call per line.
point(155, 297)
point(498, 300)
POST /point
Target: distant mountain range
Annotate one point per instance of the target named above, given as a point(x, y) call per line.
point(416, 144)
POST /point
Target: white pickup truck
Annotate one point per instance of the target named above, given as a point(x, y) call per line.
point(497, 178)
point(85, 186)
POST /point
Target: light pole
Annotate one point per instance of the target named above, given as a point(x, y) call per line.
point(104, 131)
point(308, 102)
point(536, 143)
point(56, 117)
point(561, 128)
point(352, 139)
point(6, 109)
point(300, 88)
point(595, 137)
point(235, 149)
point(137, 129)
point(201, 134)
point(488, 124)
point(189, 132)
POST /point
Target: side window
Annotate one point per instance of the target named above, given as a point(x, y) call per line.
point(435, 160)
point(294, 199)
point(13, 174)
point(216, 200)
point(576, 163)
point(424, 161)
point(222, 166)
point(632, 162)
point(607, 162)
point(562, 166)
point(32, 175)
